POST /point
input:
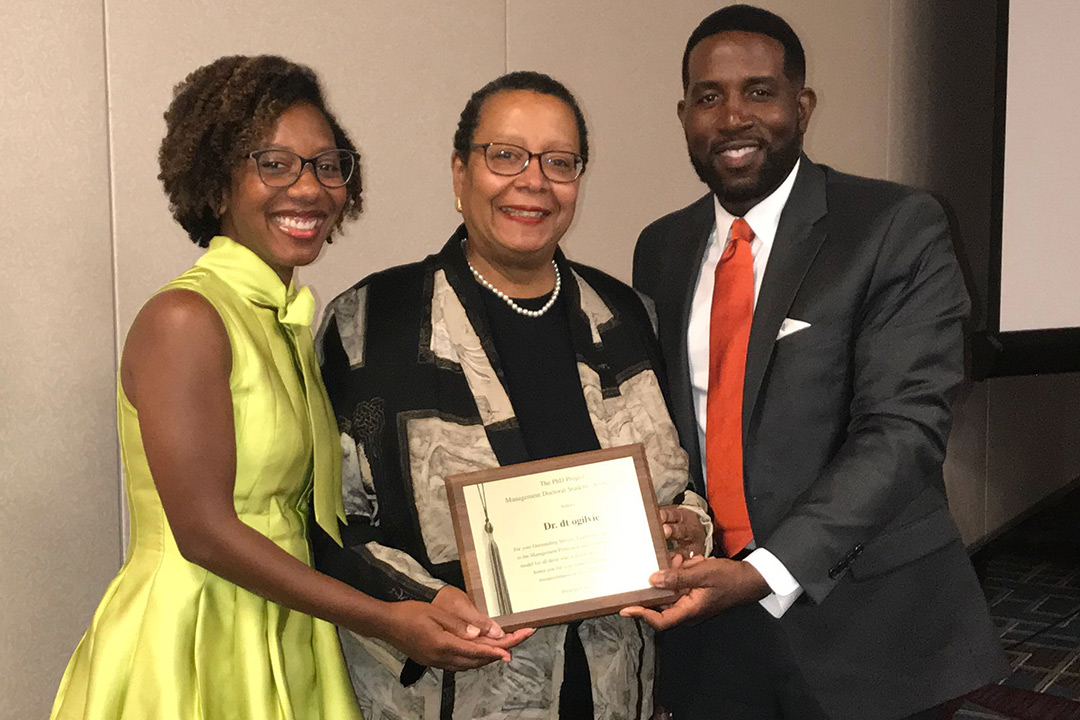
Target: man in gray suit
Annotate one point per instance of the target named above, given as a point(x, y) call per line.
point(840, 587)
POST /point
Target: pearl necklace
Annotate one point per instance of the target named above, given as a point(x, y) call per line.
point(509, 300)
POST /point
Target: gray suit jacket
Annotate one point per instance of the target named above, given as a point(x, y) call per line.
point(844, 431)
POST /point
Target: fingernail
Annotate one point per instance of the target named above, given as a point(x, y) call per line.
point(472, 631)
point(495, 631)
point(657, 579)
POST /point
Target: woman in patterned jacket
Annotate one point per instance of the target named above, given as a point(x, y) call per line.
point(495, 350)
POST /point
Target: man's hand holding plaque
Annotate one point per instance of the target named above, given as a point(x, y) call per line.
point(683, 530)
point(706, 585)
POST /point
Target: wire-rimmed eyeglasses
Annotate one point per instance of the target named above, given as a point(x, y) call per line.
point(282, 168)
point(557, 165)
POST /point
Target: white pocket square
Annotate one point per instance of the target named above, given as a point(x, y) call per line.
point(790, 326)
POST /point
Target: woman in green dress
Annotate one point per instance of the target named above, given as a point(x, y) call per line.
point(228, 438)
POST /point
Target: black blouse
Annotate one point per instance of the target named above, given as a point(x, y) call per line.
point(540, 374)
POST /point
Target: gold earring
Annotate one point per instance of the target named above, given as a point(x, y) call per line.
point(457, 203)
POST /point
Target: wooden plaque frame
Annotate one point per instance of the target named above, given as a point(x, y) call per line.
point(555, 614)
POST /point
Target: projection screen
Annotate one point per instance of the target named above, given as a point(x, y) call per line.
point(1034, 318)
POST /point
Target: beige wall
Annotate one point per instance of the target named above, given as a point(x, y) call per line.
point(59, 491)
point(89, 237)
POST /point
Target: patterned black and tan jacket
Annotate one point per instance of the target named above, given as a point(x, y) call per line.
point(415, 382)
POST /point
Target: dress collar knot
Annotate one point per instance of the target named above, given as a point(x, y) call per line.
point(256, 282)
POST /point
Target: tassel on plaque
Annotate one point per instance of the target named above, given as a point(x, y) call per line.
point(502, 592)
point(498, 577)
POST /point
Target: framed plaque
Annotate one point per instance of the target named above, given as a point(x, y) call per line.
point(555, 540)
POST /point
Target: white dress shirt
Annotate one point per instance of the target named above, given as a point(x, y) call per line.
point(763, 219)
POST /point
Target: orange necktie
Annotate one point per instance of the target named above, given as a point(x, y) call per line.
point(729, 334)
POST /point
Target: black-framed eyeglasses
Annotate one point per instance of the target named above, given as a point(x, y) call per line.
point(282, 168)
point(557, 165)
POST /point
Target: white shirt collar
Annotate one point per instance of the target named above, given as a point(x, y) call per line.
point(764, 217)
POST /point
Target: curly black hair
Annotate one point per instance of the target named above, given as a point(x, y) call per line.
point(218, 115)
point(519, 80)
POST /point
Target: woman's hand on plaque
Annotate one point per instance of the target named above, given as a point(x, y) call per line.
point(487, 631)
point(434, 637)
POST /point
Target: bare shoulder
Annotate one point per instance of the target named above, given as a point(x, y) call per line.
point(177, 316)
point(177, 332)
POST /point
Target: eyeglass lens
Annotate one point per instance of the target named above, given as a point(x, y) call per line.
point(557, 165)
point(281, 168)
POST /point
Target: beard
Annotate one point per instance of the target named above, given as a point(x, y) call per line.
point(774, 170)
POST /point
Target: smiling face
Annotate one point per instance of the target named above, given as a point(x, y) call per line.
point(286, 227)
point(517, 221)
point(744, 119)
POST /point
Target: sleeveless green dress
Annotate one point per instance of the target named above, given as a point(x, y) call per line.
point(171, 640)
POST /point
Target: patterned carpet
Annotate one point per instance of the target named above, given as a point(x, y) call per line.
point(1031, 576)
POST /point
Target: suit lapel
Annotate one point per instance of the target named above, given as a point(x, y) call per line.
point(685, 267)
point(798, 238)
point(699, 227)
